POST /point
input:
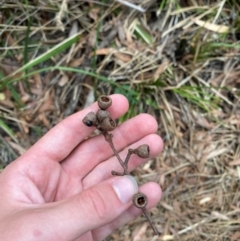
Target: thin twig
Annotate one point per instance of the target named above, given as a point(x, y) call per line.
point(130, 152)
point(108, 138)
point(147, 215)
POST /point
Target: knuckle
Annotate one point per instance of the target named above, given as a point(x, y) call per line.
point(96, 203)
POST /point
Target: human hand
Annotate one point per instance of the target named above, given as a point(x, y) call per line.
point(62, 188)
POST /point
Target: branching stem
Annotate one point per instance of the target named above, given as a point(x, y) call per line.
point(104, 123)
point(124, 164)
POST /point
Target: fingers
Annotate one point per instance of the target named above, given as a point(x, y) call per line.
point(87, 211)
point(96, 150)
point(153, 192)
point(65, 136)
point(102, 208)
point(104, 169)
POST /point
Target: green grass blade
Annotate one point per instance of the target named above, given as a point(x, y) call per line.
point(25, 54)
point(45, 56)
point(7, 129)
point(143, 34)
point(15, 95)
point(125, 89)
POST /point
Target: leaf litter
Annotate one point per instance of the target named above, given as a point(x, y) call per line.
point(178, 60)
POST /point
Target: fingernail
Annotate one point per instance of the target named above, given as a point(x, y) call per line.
point(125, 187)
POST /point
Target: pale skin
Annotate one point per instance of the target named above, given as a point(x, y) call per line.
point(60, 189)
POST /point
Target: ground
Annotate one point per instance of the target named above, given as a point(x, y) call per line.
point(177, 60)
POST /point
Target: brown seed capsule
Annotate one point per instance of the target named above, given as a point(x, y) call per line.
point(108, 124)
point(140, 200)
point(104, 102)
point(142, 151)
point(102, 114)
point(90, 119)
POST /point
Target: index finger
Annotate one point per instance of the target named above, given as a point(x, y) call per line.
point(59, 142)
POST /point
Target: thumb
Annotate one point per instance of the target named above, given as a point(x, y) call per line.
point(94, 207)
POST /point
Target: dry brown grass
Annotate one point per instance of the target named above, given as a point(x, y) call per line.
point(184, 70)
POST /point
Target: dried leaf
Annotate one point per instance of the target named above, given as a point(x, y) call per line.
point(8, 69)
point(202, 121)
point(25, 98)
point(212, 26)
point(7, 103)
point(36, 90)
point(47, 104)
point(147, 166)
point(74, 29)
point(161, 68)
point(167, 237)
point(129, 36)
point(37, 81)
point(63, 80)
point(104, 51)
point(121, 32)
point(219, 215)
point(76, 62)
point(93, 14)
point(11, 41)
point(123, 57)
point(234, 163)
point(216, 153)
point(42, 117)
point(92, 39)
point(205, 200)
point(24, 125)
point(166, 206)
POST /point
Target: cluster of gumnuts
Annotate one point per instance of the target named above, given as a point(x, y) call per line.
point(104, 123)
